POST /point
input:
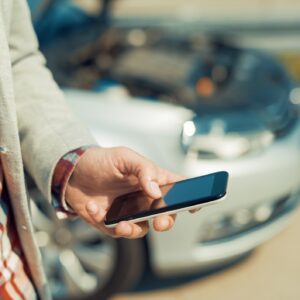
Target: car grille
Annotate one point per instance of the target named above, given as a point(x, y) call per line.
point(245, 220)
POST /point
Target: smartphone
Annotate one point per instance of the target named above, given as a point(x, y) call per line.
point(178, 196)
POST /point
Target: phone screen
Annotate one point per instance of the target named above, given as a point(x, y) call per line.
point(176, 195)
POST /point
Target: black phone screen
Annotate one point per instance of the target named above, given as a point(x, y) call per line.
point(176, 195)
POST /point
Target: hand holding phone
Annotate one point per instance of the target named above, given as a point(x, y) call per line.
point(179, 196)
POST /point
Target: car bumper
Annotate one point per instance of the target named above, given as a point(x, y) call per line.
point(207, 256)
point(269, 179)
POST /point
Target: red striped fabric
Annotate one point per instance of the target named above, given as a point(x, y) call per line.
point(15, 279)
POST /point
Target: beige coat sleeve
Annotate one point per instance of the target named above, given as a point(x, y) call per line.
point(47, 127)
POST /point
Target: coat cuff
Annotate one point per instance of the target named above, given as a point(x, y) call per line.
point(62, 173)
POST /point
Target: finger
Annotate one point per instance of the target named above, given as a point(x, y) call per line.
point(164, 222)
point(172, 177)
point(96, 213)
point(145, 171)
point(165, 177)
point(139, 230)
point(147, 178)
point(130, 230)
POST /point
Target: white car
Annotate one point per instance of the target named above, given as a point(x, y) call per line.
point(263, 192)
point(260, 148)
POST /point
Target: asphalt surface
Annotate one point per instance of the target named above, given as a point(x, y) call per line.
point(272, 272)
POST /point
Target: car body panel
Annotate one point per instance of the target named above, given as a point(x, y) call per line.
point(256, 179)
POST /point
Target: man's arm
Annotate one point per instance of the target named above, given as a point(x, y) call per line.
point(48, 129)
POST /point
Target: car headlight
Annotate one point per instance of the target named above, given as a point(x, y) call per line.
point(225, 137)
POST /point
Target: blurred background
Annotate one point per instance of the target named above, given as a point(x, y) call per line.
point(197, 86)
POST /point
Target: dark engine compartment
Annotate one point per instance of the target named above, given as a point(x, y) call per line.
point(247, 89)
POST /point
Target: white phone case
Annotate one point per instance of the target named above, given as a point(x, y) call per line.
point(170, 212)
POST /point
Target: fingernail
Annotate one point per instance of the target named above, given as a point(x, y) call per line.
point(164, 224)
point(155, 188)
point(92, 207)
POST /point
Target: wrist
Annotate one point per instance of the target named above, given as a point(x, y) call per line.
point(61, 177)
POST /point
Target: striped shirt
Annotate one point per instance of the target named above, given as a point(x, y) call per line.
point(15, 280)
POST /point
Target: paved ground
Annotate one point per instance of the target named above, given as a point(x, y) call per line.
point(271, 273)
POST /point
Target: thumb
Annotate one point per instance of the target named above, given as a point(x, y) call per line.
point(143, 169)
point(148, 183)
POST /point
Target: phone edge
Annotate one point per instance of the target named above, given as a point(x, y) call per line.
point(137, 220)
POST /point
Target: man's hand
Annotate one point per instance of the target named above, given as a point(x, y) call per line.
point(102, 174)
